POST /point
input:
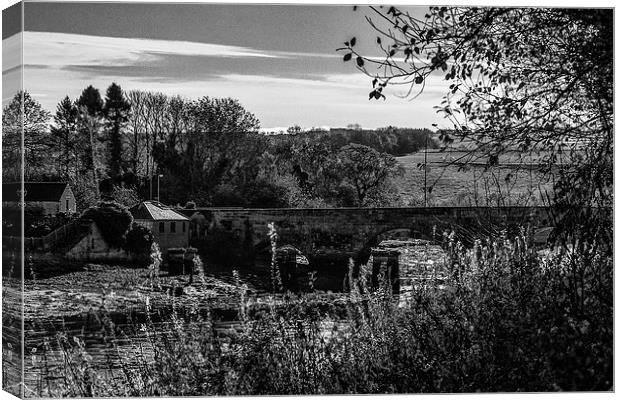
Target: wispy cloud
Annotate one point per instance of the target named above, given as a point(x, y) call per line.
point(353, 81)
point(50, 48)
point(282, 88)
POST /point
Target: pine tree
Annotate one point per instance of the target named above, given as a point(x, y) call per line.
point(90, 108)
point(64, 136)
point(116, 111)
point(91, 99)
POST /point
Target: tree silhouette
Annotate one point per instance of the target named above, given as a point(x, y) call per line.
point(91, 99)
point(31, 124)
point(365, 168)
point(64, 135)
point(90, 107)
point(116, 110)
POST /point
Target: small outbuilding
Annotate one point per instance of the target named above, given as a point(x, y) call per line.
point(52, 197)
point(170, 228)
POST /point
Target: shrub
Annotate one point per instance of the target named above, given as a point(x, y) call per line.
point(138, 239)
point(226, 195)
point(508, 319)
point(264, 194)
point(255, 194)
point(85, 193)
point(112, 219)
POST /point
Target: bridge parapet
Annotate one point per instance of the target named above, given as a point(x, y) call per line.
point(349, 232)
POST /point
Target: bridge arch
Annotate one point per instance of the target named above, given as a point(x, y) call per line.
point(386, 233)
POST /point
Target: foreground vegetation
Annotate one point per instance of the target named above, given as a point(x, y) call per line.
point(509, 319)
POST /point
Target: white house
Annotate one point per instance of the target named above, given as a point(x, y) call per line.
point(170, 228)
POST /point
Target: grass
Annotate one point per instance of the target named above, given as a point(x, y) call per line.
point(113, 287)
point(508, 319)
point(473, 186)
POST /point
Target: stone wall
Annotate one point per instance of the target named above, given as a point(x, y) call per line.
point(92, 247)
point(351, 232)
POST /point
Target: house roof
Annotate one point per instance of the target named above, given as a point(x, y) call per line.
point(156, 211)
point(35, 191)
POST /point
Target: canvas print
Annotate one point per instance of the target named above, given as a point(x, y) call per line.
point(235, 199)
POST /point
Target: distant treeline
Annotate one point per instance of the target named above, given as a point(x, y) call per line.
point(136, 145)
point(390, 140)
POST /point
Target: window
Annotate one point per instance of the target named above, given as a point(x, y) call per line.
point(183, 227)
point(161, 227)
point(173, 227)
point(67, 204)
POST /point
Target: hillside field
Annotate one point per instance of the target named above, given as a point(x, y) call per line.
point(456, 182)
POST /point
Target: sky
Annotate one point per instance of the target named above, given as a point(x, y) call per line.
point(279, 61)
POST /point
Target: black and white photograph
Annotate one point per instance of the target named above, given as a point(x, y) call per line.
point(228, 199)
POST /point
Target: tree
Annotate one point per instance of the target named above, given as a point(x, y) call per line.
point(64, 136)
point(113, 219)
point(313, 165)
point(116, 110)
point(216, 143)
point(32, 126)
point(222, 121)
point(90, 108)
point(85, 194)
point(527, 79)
point(156, 107)
point(135, 136)
point(293, 130)
point(91, 99)
point(139, 239)
point(126, 196)
point(91, 126)
point(365, 169)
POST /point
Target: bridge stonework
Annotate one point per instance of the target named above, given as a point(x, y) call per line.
point(351, 232)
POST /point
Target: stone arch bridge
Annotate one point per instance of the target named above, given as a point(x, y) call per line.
point(349, 232)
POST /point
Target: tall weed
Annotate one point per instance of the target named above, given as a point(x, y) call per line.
point(507, 318)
